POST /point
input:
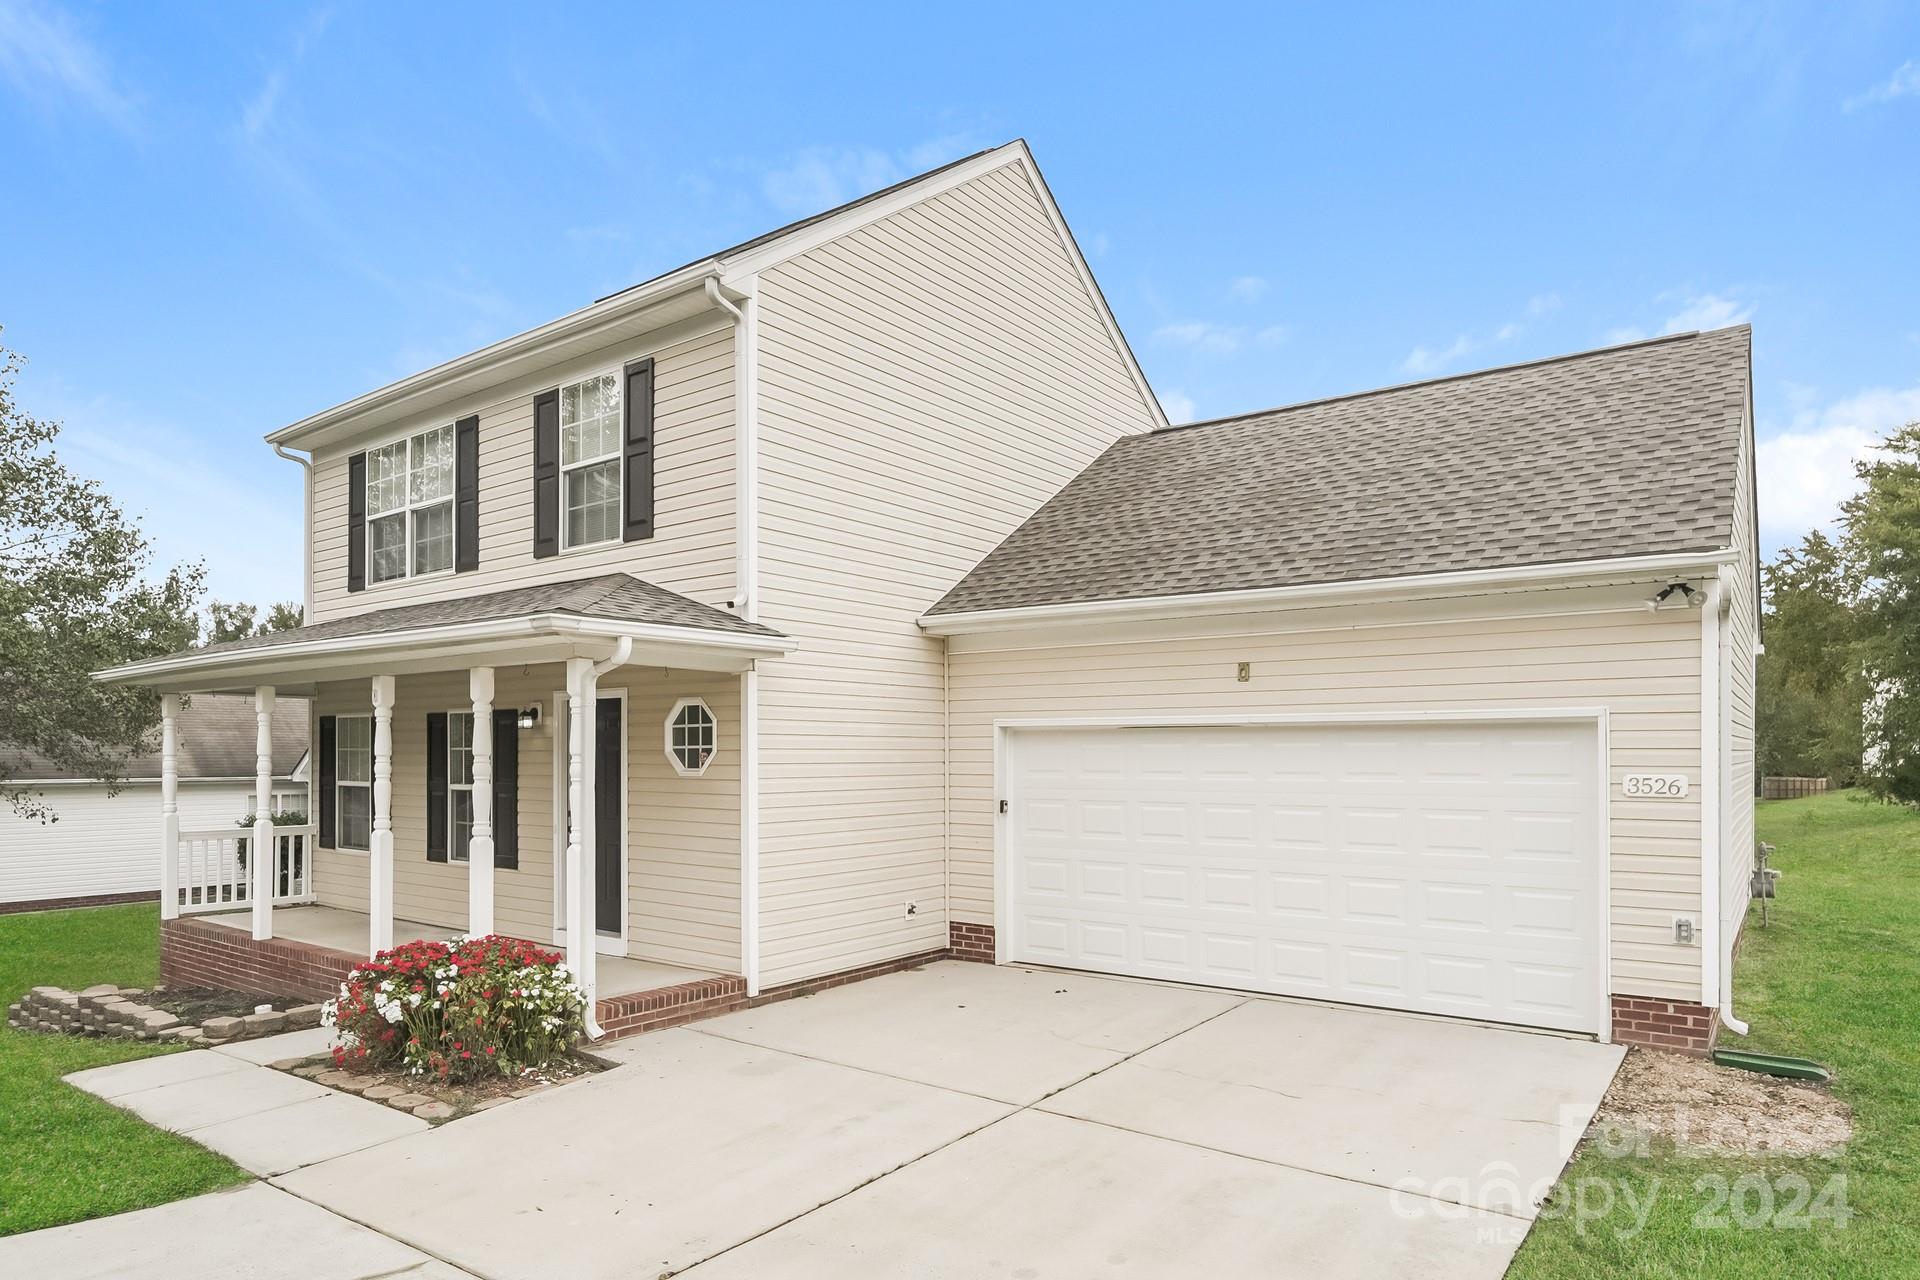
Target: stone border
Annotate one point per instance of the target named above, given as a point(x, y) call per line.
point(108, 1010)
point(381, 1088)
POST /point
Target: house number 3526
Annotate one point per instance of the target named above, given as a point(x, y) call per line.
point(1655, 786)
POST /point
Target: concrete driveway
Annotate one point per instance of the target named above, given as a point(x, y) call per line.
point(963, 1120)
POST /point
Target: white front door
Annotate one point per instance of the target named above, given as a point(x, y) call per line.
point(1449, 868)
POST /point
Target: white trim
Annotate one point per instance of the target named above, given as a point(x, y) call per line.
point(1597, 716)
point(666, 736)
point(1568, 573)
point(558, 625)
point(750, 829)
point(603, 319)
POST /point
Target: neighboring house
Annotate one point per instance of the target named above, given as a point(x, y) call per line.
point(102, 846)
point(843, 599)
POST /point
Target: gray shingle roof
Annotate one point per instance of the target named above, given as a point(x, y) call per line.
point(616, 596)
point(1625, 451)
point(216, 740)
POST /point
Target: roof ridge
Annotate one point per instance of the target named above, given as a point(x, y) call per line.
point(1562, 358)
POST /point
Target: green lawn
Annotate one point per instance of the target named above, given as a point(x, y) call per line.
point(1836, 977)
point(65, 1155)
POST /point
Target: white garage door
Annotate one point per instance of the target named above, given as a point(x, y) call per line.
point(1448, 868)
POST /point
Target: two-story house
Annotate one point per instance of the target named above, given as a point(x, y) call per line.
point(843, 600)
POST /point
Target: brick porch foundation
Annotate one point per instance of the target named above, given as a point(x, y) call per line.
point(194, 953)
point(1678, 1025)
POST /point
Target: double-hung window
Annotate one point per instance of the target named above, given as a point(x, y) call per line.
point(590, 460)
point(353, 781)
point(410, 506)
point(459, 783)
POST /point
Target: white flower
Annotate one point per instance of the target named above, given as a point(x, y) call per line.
point(329, 1011)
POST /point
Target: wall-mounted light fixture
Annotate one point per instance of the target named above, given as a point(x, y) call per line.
point(530, 716)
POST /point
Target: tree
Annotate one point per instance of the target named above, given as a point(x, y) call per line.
point(1882, 523)
point(1809, 683)
point(236, 621)
point(76, 594)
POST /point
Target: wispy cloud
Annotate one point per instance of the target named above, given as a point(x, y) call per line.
point(1697, 311)
point(1903, 83)
point(1426, 361)
point(1178, 406)
point(1212, 338)
point(1247, 288)
point(46, 59)
point(817, 178)
point(1806, 468)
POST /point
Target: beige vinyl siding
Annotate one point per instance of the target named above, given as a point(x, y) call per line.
point(1643, 667)
point(692, 551)
point(683, 834)
point(1740, 639)
point(926, 382)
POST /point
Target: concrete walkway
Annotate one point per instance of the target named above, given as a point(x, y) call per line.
point(268, 1122)
point(958, 1120)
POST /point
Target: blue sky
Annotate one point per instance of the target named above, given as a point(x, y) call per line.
point(215, 219)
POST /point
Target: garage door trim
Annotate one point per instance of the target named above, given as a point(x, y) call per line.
point(1593, 716)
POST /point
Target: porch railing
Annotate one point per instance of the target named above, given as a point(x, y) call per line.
point(213, 868)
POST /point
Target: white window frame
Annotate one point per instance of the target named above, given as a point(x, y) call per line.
point(408, 506)
point(340, 785)
point(713, 747)
point(454, 852)
point(616, 456)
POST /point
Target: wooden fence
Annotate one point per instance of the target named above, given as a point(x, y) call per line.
point(1791, 788)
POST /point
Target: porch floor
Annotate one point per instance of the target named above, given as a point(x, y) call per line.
point(339, 929)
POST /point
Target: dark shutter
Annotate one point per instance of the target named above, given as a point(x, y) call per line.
point(506, 789)
point(436, 786)
point(466, 494)
point(637, 454)
point(357, 522)
point(327, 778)
point(546, 473)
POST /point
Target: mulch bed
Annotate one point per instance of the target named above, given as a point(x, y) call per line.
point(197, 1004)
point(1706, 1109)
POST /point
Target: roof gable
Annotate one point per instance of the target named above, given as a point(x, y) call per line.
point(1626, 451)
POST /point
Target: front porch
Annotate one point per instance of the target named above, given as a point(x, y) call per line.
point(315, 946)
point(554, 763)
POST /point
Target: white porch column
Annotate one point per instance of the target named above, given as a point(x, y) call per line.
point(380, 847)
point(266, 856)
point(582, 698)
point(169, 806)
point(480, 845)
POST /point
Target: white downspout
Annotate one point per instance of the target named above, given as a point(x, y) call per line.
point(746, 601)
point(306, 549)
point(1712, 838)
point(1724, 599)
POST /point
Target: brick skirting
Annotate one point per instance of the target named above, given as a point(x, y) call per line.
point(1680, 1025)
point(196, 953)
point(92, 900)
point(970, 941)
point(629, 1015)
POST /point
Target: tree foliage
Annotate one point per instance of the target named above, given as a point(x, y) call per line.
point(77, 593)
point(1810, 686)
point(236, 621)
point(1882, 523)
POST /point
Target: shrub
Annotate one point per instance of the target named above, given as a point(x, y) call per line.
point(458, 1011)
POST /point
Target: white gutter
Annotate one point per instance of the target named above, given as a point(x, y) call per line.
point(582, 323)
point(746, 602)
point(306, 550)
point(533, 625)
point(1414, 586)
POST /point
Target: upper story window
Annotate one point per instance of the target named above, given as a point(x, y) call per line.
point(410, 487)
point(590, 460)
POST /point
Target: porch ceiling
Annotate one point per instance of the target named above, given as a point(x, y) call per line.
point(547, 623)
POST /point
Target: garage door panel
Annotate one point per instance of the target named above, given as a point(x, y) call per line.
point(1444, 868)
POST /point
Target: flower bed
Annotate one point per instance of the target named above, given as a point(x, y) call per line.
point(473, 1009)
